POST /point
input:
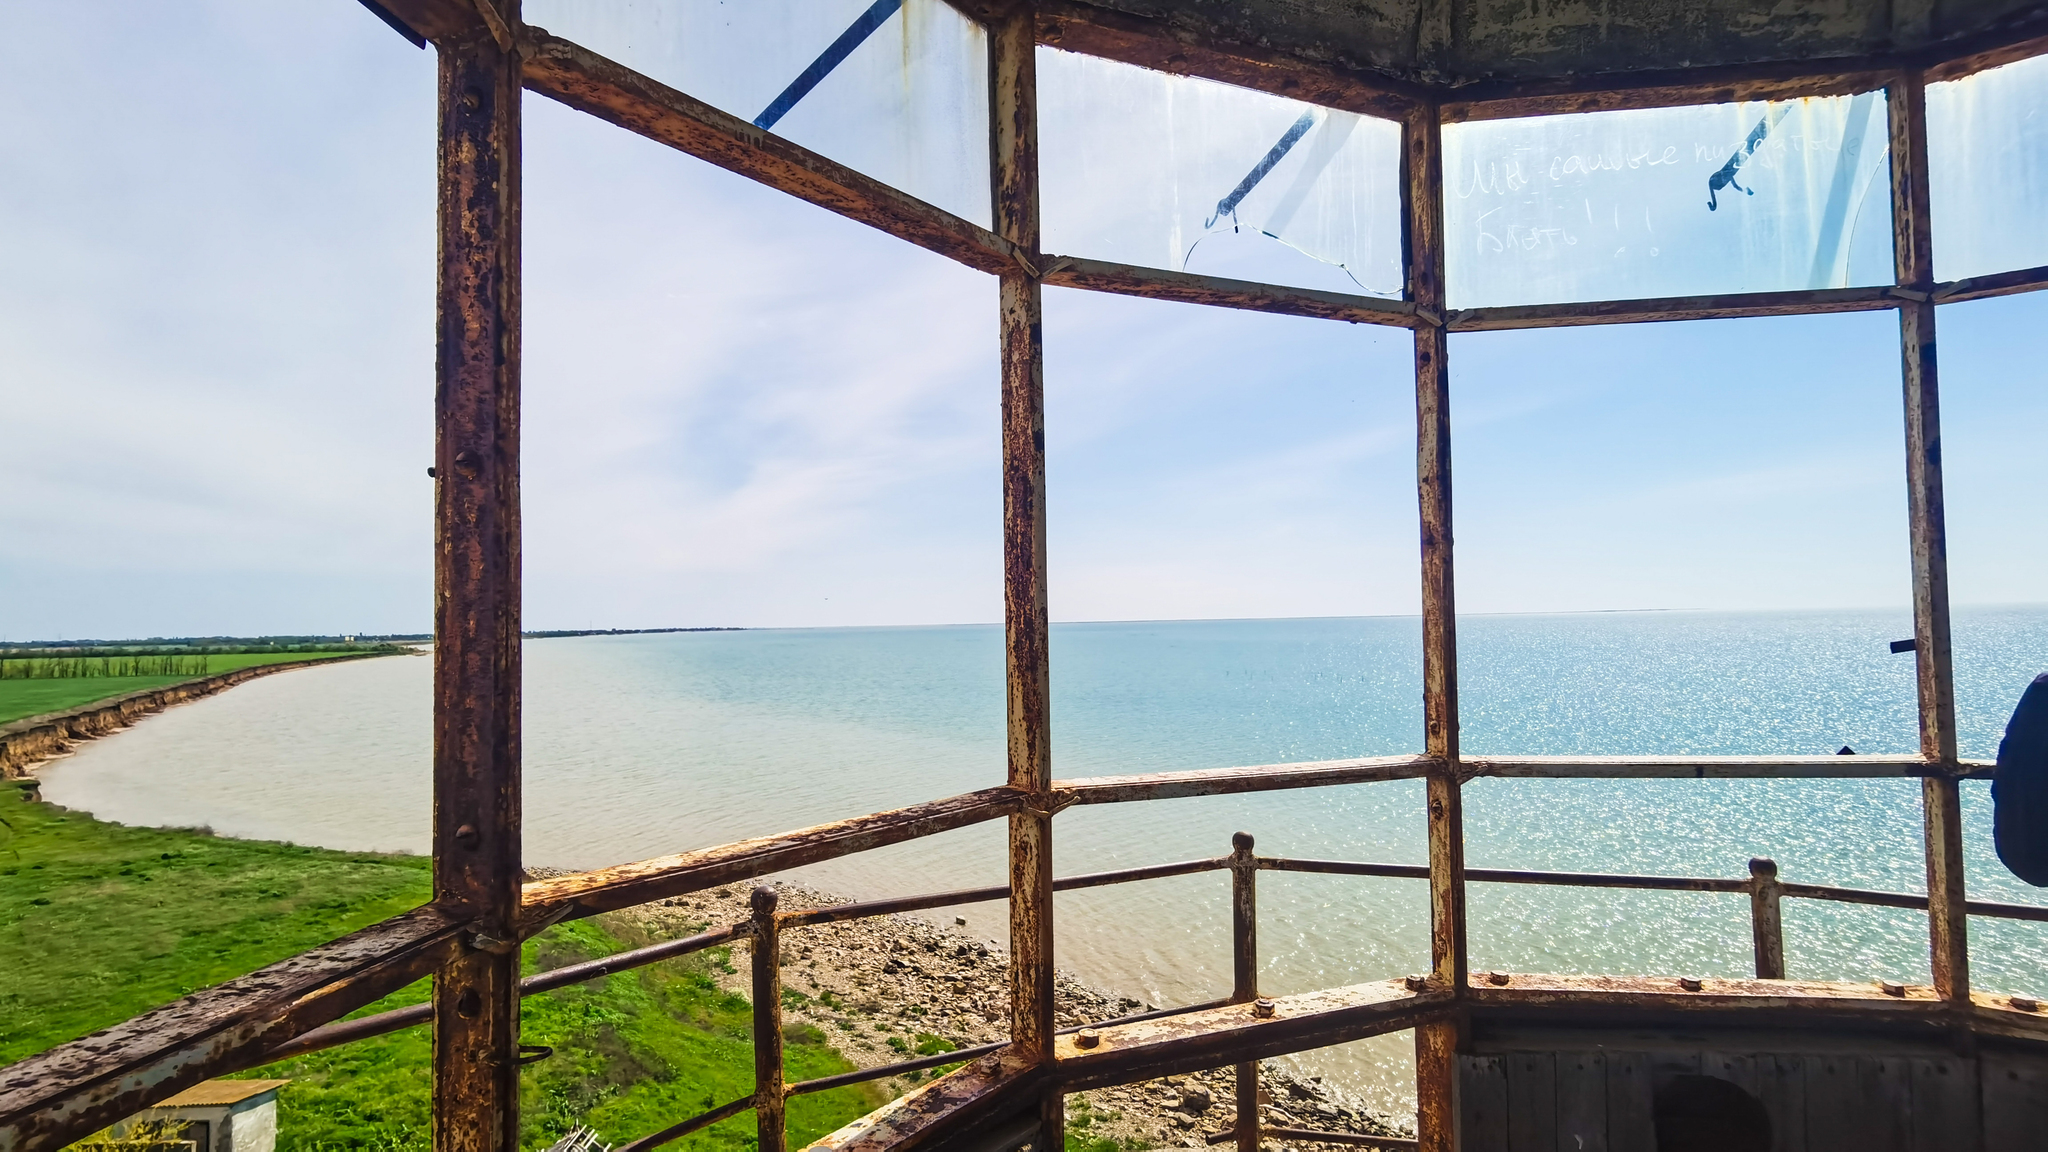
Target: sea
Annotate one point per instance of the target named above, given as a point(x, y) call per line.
point(643, 745)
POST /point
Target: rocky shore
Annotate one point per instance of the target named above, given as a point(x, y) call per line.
point(882, 990)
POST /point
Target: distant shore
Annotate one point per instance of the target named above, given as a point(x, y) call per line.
point(34, 740)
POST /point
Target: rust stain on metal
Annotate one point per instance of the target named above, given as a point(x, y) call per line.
point(992, 1085)
point(1232, 1035)
point(1217, 291)
point(53, 1098)
point(477, 594)
point(767, 975)
point(625, 885)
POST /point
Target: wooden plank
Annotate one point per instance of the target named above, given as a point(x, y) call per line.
point(1803, 302)
point(1582, 1101)
point(585, 81)
point(1781, 1086)
point(477, 593)
point(1218, 291)
point(1482, 1098)
point(55, 1097)
point(2015, 1102)
point(1532, 1101)
point(624, 885)
point(1945, 1113)
point(1941, 804)
point(1631, 1103)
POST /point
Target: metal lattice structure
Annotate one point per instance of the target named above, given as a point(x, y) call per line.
point(1420, 63)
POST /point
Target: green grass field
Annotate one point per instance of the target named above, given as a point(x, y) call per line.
point(19, 698)
point(113, 920)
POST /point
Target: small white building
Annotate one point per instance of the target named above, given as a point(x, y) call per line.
point(221, 1115)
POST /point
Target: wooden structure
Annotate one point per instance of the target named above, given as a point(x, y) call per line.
point(1503, 1059)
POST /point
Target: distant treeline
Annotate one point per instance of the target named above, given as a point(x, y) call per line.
point(551, 635)
point(223, 644)
point(115, 651)
point(91, 667)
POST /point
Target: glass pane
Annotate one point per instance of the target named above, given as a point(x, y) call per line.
point(1683, 539)
point(1668, 202)
point(1186, 174)
point(1987, 153)
point(897, 90)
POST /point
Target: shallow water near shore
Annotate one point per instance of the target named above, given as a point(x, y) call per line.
point(642, 745)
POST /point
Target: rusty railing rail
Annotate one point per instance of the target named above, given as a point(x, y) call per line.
point(764, 928)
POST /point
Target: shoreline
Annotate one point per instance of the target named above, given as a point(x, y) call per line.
point(32, 741)
point(861, 982)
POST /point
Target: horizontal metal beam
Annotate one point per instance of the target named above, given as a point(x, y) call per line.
point(833, 913)
point(70, 1091)
point(1240, 1033)
point(1718, 767)
point(624, 885)
point(1804, 302)
point(347, 1031)
point(1228, 781)
point(1777, 1004)
point(1218, 291)
point(583, 80)
point(1996, 284)
point(992, 1086)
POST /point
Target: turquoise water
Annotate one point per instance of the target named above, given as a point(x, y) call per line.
point(643, 745)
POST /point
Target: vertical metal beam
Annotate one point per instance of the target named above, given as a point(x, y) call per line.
point(476, 594)
point(1013, 171)
point(767, 965)
point(1941, 804)
point(1436, 1044)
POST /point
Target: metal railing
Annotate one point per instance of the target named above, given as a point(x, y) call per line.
point(764, 928)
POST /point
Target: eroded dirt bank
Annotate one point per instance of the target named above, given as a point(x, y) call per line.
point(29, 741)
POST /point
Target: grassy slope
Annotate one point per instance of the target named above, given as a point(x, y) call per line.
point(19, 698)
point(113, 920)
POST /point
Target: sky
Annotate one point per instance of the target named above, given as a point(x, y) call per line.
point(216, 375)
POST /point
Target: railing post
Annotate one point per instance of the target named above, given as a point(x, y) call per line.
point(768, 1093)
point(476, 834)
point(1766, 928)
point(1244, 955)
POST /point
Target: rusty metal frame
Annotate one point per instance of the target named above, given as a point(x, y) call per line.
point(469, 934)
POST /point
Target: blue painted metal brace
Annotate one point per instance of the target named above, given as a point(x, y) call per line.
point(856, 33)
point(1278, 152)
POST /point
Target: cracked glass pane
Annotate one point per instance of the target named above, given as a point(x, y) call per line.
point(895, 89)
point(1175, 172)
point(1691, 201)
point(1987, 170)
